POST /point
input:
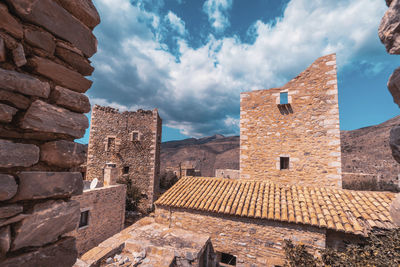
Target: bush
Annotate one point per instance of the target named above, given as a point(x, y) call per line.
point(167, 180)
point(133, 195)
point(378, 250)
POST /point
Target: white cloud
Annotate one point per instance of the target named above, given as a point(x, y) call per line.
point(199, 93)
point(217, 12)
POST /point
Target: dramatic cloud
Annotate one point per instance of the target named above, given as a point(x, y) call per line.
point(217, 12)
point(197, 89)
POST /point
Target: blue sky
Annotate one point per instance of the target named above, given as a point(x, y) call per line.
point(191, 58)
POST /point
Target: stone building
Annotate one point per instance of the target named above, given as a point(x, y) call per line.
point(44, 51)
point(248, 220)
point(291, 134)
point(227, 173)
point(102, 214)
point(131, 141)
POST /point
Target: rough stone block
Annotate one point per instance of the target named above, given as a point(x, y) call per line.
point(9, 23)
point(44, 117)
point(389, 28)
point(5, 239)
point(11, 220)
point(394, 86)
point(47, 222)
point(10, 210)
point(83, 10)
point(24, 84)
point(19, 56)
point(43, 40)
point(2, 50)
point(7, 113)
point(71, 100)
point(63, 154)
point(74, 59)
point(395, 210)
point(16, 155)
point(60, 254)
point(16, 100)
point(60, 74)
point(394, 142)
point(8, 189)
point(67, 27)
point(39, 185)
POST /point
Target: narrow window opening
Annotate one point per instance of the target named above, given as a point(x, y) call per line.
point(84, 220)
point(135, 136)
point(284, 99)
point(226, 259)
point(126, 170)
point(284, 163)
point(110, 144)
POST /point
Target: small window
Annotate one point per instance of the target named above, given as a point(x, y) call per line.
point(284, 163)
point(84, 221)
point(110, 144)
point(227, 259)
point(135, 136)
point(126, 170)
point(284, 99)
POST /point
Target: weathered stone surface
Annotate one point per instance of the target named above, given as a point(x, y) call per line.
point(24, 84)
point(394, 142)
point(77, 61)
point(71, 100)
point(394, 86)
point(395, 210)
point(60, 74)
point(40, 39)
point(83, 10)
point(67, 26)
point(44, 117)
point(10, 210)
point(5, 239)
point(16, 100)
point(9, 23)
point(19, 55)
point(8, 189)
point(2, 50)
point(389, 29)
point(15, 155)
point(11, 220)
point(62, 153)
point(7, 113)
point(47, 222)
point(60, 254)
point(39, 185)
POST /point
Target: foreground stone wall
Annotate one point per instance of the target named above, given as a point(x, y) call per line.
point(44, 51)
point(306, 130)
point(131, 140)
point(106, 206)
point(254, 242)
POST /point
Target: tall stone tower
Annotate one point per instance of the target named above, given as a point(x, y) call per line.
point(291, 134)
point(131, 141)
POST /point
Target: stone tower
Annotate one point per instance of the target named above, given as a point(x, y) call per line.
point(291, 134)
point(131, 141)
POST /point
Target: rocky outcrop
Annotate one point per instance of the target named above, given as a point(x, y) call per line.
point(389, 29)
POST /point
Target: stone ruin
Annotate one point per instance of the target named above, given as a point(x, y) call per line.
point(44, 51)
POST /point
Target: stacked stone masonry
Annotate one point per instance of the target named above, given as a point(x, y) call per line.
point(44, 51)
point(131, 140)
point(106, 210)
point(305, 129)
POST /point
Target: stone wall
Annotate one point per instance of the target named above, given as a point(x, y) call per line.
point(254, 242)
point(306, 129)
point(44, 51)
point(131, 140)
point(106, 206)
point(227, 173)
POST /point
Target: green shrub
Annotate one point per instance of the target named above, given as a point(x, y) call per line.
point(133, 195)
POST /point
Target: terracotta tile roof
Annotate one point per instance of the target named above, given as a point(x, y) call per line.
point(349, 211)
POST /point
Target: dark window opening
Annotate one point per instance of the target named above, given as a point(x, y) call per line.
point(226, 258)
point(84, 221)
point(135, 136)
point(284, 99)
point(110, 144)
point(126, 170)
point(284, 163)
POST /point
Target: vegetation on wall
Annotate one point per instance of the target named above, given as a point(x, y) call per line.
point(378, 250)
point(133, 195)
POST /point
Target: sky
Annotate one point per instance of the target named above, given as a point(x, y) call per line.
point(191, 59)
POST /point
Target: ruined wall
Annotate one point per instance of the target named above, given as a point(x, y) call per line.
point(129, 140)
point(44, 51)
point(227, 173)
point(306, 130)
point(254, 242)
point(106, 206)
